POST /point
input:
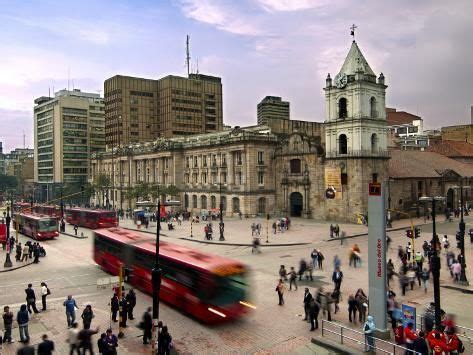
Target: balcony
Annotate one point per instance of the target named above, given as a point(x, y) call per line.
point(359, 154)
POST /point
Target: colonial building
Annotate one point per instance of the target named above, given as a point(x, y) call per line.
point(308, 169)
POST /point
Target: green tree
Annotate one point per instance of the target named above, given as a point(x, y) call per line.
point(8, 182)
point(101, 185)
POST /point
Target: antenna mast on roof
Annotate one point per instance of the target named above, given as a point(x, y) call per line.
point(188, 57)
point(197, 65)
point(24, 140)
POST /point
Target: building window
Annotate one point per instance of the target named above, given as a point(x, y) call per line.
point(260, 178)
point(342, 108)
point(236, 204)
point(204, 178)
point(187, 162)
point(203, 202)
point(374, 142)
point(238, 158)
point(260, 158)
point(186, 178)
point(262, 205)
point(194, 178)
point(223, 203)
point(213, 202)
point(214, 160)
point(223, 178)
point(295, 166)
point(186, 201)
point(224, 159)
point(194, 201)
point(166, 163)
point(375, 177)
point(204, 161)
point(214, 178)
point(342, 144)
point(195, 162)
point(238, 178)
point(373, 112)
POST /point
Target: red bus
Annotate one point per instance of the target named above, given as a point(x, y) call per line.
point(49, 210)
point(36, 226)
point(21, 206)
point(211, 288)
point(92, 219)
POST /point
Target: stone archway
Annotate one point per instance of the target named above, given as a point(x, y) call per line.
point(295, 204)
point(450, 198)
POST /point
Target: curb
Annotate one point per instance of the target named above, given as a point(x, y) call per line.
point(242, 244)
point(333, 347)
point(16, 268)
point(363, 234)
point(73, 236)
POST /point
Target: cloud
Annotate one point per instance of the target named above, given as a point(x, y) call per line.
point(15, 122)
point(290, 5)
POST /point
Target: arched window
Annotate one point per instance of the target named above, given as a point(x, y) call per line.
point(213, 202)
point(236, 204)
point(223, 202)
point(373, 112)
point(203, 202)
point(262, 205)
point(295, 166)
point(374, 142)
point(186, 201)
point(194, 201)
point(342, 108)
point(342, 144)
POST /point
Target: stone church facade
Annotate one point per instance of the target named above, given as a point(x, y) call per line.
point(308, 169)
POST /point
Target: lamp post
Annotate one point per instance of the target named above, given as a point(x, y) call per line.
point(221, 225)
point(8, 262)
point(156, 277)
point(461, 241)
point(435, 259)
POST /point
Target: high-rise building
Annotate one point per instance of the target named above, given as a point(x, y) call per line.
point(139, 110)
point(67, 129)
point(272, 107)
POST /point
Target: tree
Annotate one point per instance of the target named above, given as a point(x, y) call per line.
point(102, 184)
point(8, 182)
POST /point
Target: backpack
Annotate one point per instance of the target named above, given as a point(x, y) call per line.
point(49, 291)
point(461, 347)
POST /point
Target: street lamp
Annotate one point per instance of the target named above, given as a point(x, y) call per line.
point(435, 259)
point(463, 278)
point(221, 225)
point(8, 262)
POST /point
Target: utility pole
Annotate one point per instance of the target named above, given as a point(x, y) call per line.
point(188, 57)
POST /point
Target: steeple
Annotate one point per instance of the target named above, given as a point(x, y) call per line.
point(355, 62)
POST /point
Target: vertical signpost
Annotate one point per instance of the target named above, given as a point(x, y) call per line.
point(377, 257)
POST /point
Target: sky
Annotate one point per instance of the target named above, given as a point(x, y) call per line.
point(258, 47)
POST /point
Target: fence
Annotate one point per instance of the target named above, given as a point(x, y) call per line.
point(342, 333)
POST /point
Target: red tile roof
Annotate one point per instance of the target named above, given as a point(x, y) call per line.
point(400, 117)
point(452, 148)
point(419, 164)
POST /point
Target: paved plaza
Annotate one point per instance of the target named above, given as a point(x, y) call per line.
point(69, 269)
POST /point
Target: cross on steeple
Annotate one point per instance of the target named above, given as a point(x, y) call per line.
point(353, 28)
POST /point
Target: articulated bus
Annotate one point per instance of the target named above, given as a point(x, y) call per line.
point(36, 226)
point(211, 288)
point(92, 219)
point(21, 206)
point(49, 210)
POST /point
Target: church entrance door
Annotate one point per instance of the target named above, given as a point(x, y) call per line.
point(450, 198)
point(295, 204)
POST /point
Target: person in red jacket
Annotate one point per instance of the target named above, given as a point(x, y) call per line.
point(452, 343)
point(437, 342)
point(409, 336)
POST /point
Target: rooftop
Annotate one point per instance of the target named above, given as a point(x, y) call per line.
point(394, 117)
point(452, 148)
point(355, 62)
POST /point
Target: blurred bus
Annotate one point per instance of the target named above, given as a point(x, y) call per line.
point(49, 210)
point(211, 288)
point(92, 219)
point(36, 226)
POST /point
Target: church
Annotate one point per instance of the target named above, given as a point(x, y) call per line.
point(287, 167)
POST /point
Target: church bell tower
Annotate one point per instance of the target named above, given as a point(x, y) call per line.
point(355, 134)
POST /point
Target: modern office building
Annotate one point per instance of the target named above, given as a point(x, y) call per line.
point(140, 110)
point(2, 160)
point(272, 107)
point(68, 128)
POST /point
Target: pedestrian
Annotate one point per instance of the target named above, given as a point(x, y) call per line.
point(456, 269)
point(283, 273)
point(326, 301)
point(164, 342)
point(368, 329)
point(408, 250)
point(73, 339)
point(7, 324)
point(87, 315)
point(362, 304)
point(76, 227)
point(22, 318)
point(337, 230)
point(114, 307)
point(320, 259)
point(101, 344)
point(280, 288)
point(36, 253)
point(131, 298)
point(292, 279)
point(123, 312)
point(389, 271)
point(352, 308)
point(147, 325)
point(274, 227)
point(409, 336)
point(335, 297)
point(44, 293)
point(336, 262)
point(111, 343)
point(18, 252)
point(420, 344)
point(426, 248)
point(26, 252)
point(314, 310)
point(313, 256)
point(27, 349)
point(85, 339)
point(31, 299)
point(331, 230)
point(30, 249)
point(307, 298)
point(302, 268)
point(71, 305)
point(425, 275)
point(454, 345)
point(337, 278)
point(46, 347)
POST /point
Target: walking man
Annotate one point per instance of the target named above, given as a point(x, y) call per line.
point(31, 299)
point(123, 312)
point(307, 298)
point(147, 325)
point(280, 288)
point(337, 278)
point(7, 324)
point(114, 307)
point(22, 318)
point(46, 347)
point(313, 314)
point(131, 298)
point(292, 278)
point(71, 306)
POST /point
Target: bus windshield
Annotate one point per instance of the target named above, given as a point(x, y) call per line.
point(47, 225)
point(229, 289)
point(108, 215)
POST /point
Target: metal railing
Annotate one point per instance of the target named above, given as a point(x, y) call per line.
point(360, 339)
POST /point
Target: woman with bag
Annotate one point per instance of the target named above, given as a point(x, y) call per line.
point(165, 343)
point(87, 315)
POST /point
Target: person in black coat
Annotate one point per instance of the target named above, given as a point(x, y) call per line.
point(307, 298)
point(46, 347)
point(114, 306)
point(123, 312)
point(131, 298)
point(420, 345)
point(31, 299)
point(313, 314)
point(147, 326)
point(337, 278)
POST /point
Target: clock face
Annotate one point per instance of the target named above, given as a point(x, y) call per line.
point(341, 80)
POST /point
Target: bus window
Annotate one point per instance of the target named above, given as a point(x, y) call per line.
point(109, 246)
point(47, 225)
point(229, 289)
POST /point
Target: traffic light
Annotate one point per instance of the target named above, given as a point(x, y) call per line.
point(416, 232)
point(409, 233)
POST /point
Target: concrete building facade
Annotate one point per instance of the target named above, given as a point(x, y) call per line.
point(141, 110)
point(272, 107)
point(68, 128)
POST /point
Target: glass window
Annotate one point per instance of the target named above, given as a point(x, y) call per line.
point(295, 166)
